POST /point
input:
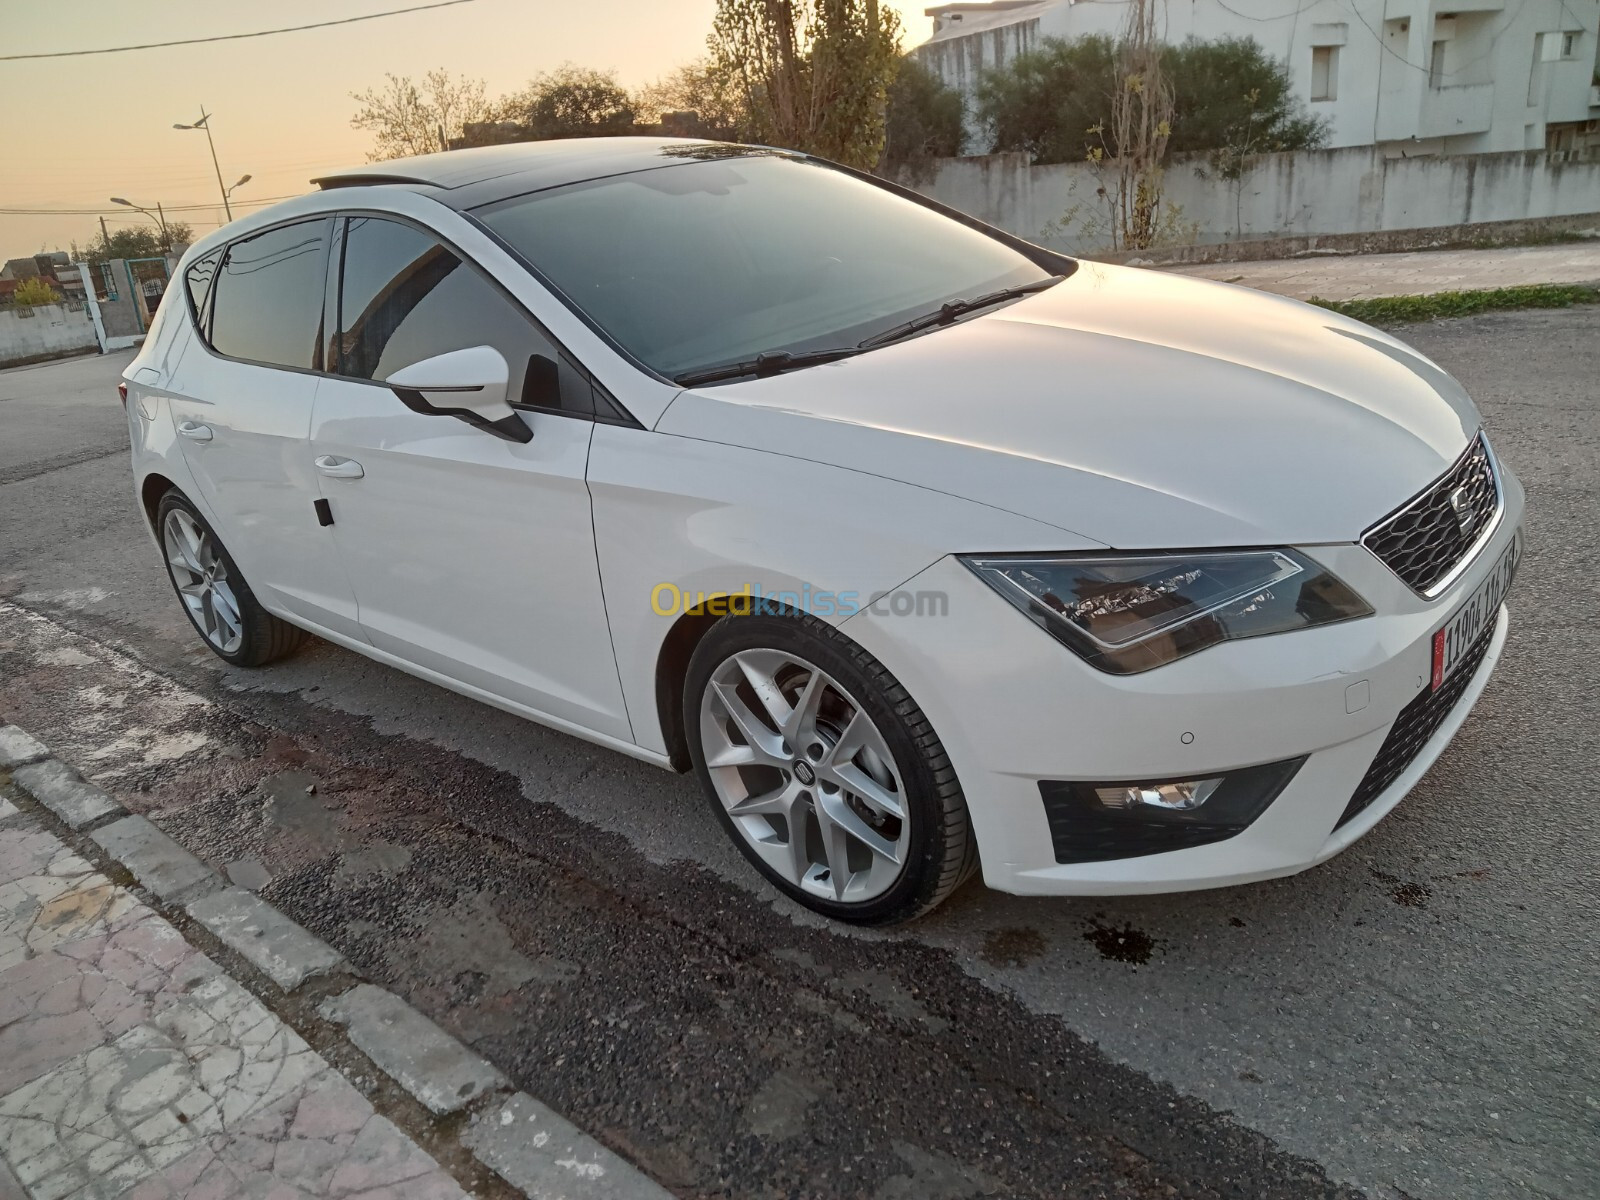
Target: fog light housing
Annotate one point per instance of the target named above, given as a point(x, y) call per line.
point(1164, 797)
point(1100, 821)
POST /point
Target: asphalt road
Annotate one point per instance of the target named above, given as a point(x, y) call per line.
point(1417, 1018)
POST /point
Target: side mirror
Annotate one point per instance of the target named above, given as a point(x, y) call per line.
point(469, 385)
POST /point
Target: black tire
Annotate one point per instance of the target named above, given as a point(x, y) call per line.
point(266, 638)
point(943, 852)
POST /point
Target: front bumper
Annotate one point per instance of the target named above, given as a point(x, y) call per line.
point(1013, 707)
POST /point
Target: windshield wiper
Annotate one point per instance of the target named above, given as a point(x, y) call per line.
point(778, 361)
point(951, 309)
point(763, 365)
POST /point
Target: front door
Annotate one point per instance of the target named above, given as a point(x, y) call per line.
point(243, 416)
point(471, 556)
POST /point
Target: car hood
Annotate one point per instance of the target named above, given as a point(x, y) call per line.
point(1133, 408)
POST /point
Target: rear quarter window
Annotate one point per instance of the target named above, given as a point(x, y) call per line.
point(198, 279)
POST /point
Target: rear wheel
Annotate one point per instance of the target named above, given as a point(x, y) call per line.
point(824, 771)
point(213, 592)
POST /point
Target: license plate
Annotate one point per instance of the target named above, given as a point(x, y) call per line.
point(1450, 644)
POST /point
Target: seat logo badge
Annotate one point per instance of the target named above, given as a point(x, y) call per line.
point(804, 773)
point(1462, 507)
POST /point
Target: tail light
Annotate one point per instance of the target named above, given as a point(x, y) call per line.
point(122, 392)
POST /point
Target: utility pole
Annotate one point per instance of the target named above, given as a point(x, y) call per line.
point(105, 237)
point(205, 123)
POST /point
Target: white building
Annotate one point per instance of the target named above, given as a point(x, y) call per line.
point(1411, 76)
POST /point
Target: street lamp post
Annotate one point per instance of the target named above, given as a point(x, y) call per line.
point(159, 217)
point(205, 123)
point(243, 179)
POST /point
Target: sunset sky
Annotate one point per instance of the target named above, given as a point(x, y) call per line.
point(81, 130)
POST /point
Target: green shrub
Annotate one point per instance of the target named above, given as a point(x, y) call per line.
point(1401, 310)
point(34, 291)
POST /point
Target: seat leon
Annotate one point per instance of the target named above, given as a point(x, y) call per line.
point(926, 549)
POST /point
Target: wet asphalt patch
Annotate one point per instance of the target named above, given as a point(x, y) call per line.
point(1124, 945)
point(685, 1022)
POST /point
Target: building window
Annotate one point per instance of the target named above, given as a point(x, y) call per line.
point(1569, 45)
point(1324, 72)
point(1436, 65)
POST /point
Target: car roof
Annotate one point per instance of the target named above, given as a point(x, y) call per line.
point(466, 178)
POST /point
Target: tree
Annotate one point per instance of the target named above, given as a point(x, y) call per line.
point(408, 118)
point(814, 74)
point(1046, 101)
point(35, 290)
point(1141, 124)
point(1231, 94)
point(571, 101)
point(141, 241)
point(1227, 94)
point(702, 88)
point(924, 122)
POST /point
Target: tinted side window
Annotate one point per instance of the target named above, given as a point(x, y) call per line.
point(268, 303)
point(406, 297)
point(199, 277)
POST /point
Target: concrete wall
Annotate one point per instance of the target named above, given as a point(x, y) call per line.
point(1503, 74)
point(47, 331)
point(1355, 190)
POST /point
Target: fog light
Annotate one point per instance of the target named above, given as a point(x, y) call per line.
point(1178, 797)
point(1095, 821)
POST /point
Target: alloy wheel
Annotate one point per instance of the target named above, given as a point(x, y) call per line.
point(200, 573)
point(805, 775)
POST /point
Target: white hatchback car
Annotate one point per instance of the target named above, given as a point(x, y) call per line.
point(924, 547)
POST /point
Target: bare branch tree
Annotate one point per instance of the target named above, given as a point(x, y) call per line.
point(814, 74)
point(408, 118)
point(1141, 123)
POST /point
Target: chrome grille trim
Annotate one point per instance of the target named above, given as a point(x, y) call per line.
point(1383, 539)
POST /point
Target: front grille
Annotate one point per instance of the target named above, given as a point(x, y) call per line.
point(1417, 722)
point(1429, 537)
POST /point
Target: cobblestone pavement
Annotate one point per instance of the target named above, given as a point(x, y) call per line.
point(1363, 276)
point(131, 1066)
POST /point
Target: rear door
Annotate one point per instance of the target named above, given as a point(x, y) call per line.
point(243, 416)
point(471, 556)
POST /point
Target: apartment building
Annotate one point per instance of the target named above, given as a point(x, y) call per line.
point(1411, 76)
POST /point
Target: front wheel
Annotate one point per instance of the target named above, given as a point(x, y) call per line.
point(824, 770)
point(213, 592)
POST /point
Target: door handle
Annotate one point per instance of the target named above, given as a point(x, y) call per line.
point(195, 433)
point(335, 467)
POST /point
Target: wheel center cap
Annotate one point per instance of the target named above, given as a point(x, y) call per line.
point(803, 772)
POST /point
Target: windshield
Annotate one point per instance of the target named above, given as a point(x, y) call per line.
point(713, 261)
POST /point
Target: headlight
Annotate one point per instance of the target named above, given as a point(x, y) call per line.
point(1125, 613)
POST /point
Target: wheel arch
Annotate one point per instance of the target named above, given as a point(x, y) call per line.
point(672, 668)
point(154, 486)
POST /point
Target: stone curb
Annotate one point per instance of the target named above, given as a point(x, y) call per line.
point(543, 1155)
point(18, 748)
point(523, 1141)
point(442, 1074)
point(156, 861)
point(60, 789)
point(272, 943)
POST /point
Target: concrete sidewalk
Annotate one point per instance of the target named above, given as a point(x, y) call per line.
point(1364, 276)
point(132, 1066)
